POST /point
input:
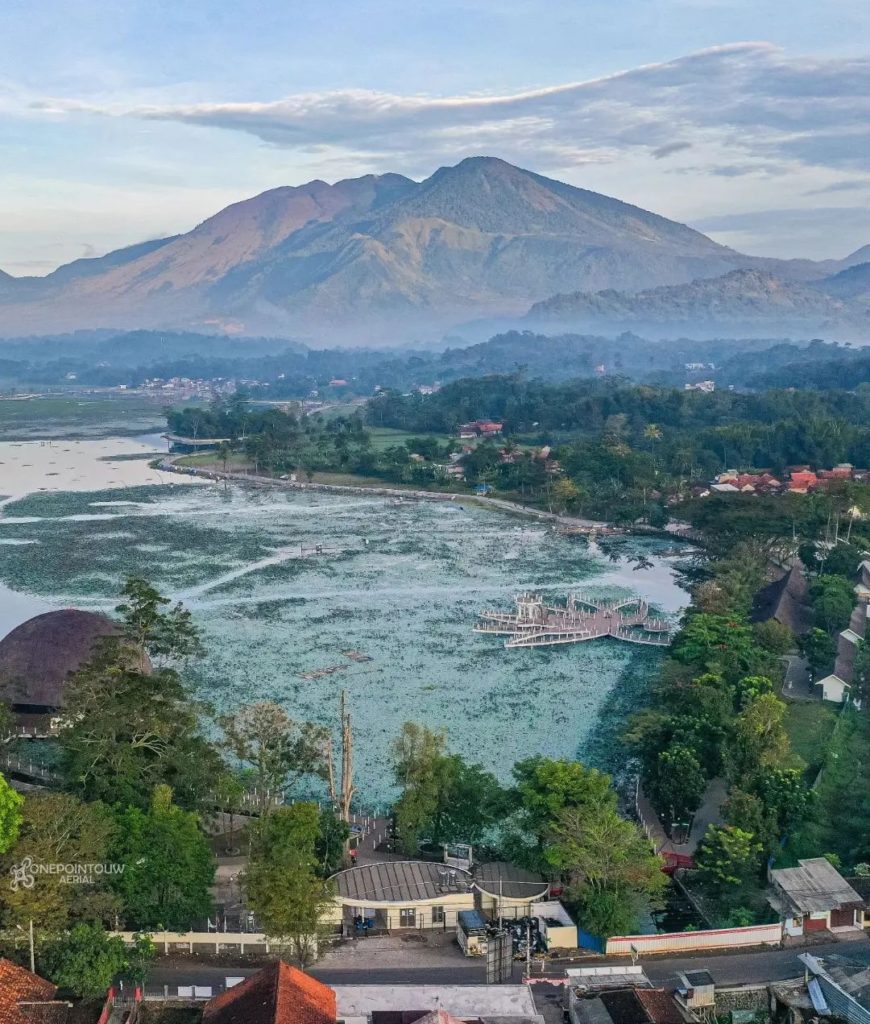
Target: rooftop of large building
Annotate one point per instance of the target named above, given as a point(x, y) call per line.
point(38, 657)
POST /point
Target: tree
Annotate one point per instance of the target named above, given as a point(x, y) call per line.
point(728, 858)
point(566, 495)
point(470, 803)
point(677, 783)
point(544, 789)
point(280, 750)
point(774, 637)
point(168, 867)
point(760, 740)
point(57, 828)
point(832, 599)
point(331, 845)
point(611, 869)
point(423, 771)
point(786, 797)
point(719, 643)
point(140, 958)
point(282, 883)
point(10, 814)
point(125, 732)
point(163, 636)
point(819, 648)
point(747, 689)
point(85, 960)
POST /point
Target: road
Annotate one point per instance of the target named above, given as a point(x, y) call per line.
point(727, 968)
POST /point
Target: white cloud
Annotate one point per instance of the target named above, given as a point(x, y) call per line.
point(751, 97)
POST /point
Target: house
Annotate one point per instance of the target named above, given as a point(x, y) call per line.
point(815, 897)
point(803, 480)
point(480, 428)
point(278, 994)
point(25, 998)
point(620, 994)
point(436, 1004)
point(838, 986)
point(832, 688)
point(413, 894)
point(281, 994)
point(785, 601)
point(707, 386)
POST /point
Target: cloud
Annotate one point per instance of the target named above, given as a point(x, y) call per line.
point(749, 99)
point(849, 185)
point(670, 148)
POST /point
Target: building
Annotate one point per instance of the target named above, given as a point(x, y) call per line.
point(836, 687)
point(621, 995)
point(397, 895)
point(25, 998)
point(436, 1004)
point(278, 994)
point(401, 894)
point(785, 600)
point(839, 986)
point(481, 428)
point(815, 897)
point(281, 994)
point(38, 657)
point(505, 890)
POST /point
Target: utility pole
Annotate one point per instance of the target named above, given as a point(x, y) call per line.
point(347, 789)
point(32, 956)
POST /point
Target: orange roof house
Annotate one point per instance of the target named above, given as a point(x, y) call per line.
point(278, 994)
point(803, 480)
point(23, 995)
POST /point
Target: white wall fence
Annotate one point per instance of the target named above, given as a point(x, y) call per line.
point(172, 942)
point(756, 935)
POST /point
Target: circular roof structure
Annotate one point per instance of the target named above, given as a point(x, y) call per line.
point(500, 879)
point(399, 881)
point(37, 657)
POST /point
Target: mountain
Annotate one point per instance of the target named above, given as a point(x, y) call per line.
point(378, 258)
point(738, 303)
point(852, 284)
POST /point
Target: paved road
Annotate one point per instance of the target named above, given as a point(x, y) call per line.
point(726, 968)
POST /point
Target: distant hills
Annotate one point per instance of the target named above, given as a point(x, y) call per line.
point(738, 303)
point(385, 258)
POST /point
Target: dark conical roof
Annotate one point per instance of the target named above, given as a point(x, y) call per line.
point(38, 656)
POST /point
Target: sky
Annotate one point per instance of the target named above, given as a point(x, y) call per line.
point(136, 119)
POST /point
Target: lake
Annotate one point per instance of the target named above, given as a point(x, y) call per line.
point(385, 612)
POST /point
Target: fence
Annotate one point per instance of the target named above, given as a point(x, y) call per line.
point(756, 935)
point(170, 942)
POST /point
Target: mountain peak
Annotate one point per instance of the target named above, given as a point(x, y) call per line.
point(382, 255)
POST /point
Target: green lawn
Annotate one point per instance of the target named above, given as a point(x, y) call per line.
point(387, 437)
point(809, 725)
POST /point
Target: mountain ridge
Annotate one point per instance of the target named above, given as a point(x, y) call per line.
point(381, 256)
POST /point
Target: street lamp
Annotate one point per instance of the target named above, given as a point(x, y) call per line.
point(32, 957)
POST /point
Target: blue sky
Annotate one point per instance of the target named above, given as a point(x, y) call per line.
point(128, 120)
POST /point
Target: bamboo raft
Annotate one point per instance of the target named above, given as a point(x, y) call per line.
point(535, 623)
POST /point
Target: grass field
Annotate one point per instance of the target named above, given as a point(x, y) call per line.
point(387, 437)
point(809, 725)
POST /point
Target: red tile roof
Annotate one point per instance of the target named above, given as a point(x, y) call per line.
point(278, 994)
point(18, 985)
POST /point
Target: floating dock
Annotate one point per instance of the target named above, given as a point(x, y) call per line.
point(535, 623)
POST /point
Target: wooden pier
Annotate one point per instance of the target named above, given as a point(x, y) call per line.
point(535, 623)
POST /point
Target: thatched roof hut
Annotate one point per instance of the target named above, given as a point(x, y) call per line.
point(37, 657)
